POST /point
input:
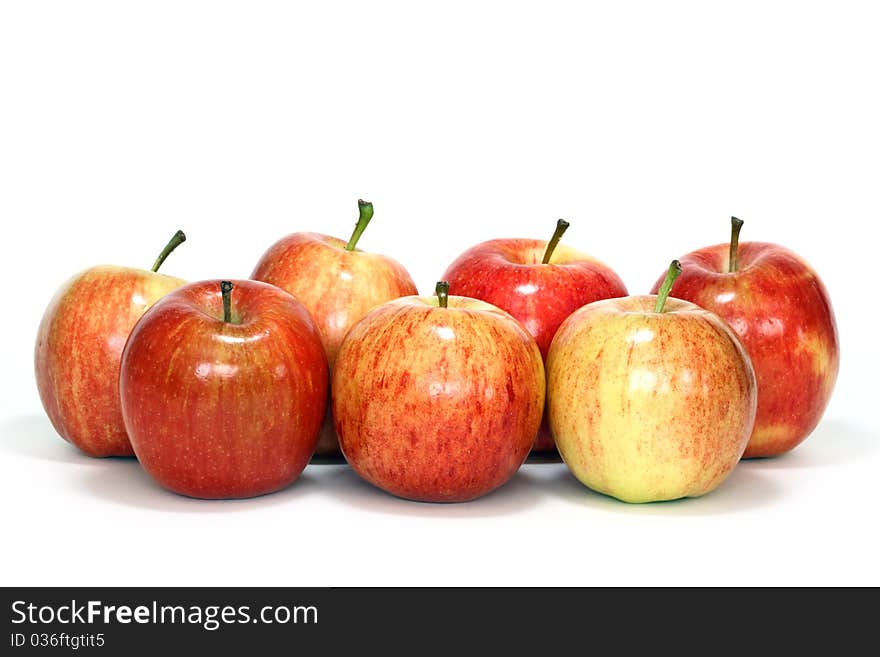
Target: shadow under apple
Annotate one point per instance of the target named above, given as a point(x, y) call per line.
point(129, 485)
point(743, 490)
point(33, 436)
point(751, 485)
point(342, 483)
point(121, 480)
point(833, 442)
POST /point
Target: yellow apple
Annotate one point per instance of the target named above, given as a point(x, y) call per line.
point(649, 399)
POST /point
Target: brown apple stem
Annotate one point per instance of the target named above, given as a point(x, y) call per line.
point(365, 210)
point(178, 239)
point(226, 291)
point(735, 226)
point(663, 292)
point(561, 226)
point(442, 290)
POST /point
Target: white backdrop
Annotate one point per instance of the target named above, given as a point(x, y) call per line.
point(645, 124)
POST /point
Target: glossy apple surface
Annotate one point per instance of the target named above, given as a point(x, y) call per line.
point(338, 287)
point(437, 404)
point(779, 308)
point(509, 273)
point(224, 409)
point(649, 406)
point(79, 347)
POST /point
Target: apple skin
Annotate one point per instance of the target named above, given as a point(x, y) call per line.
point(224, 410)
point(437, 404)
point(781, 312)
point(508, 273)
point(649, 406)
point(338, 287)
point(79, 348)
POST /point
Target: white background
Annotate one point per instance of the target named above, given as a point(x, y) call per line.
point(645, 124)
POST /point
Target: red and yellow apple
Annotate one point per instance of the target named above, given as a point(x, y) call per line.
point(780, 310)
point(223, 387)
point(539, 283)
point(649, 399)
point(437, 398)
point(79, 347)
point(338, 284)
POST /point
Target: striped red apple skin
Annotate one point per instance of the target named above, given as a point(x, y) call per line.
point(781, 311)
point(79, 348)
point(437, 404)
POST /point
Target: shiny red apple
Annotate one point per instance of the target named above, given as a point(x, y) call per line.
point(539, 283)
point(223, 388)
point(79, 346)
point(437, 399)
point(779, 308)
point(338, 284)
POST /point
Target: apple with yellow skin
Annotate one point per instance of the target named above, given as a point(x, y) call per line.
point(437, 399)
point(780, 310)
point(79, 349)
point(650, 398)
point(337, 283)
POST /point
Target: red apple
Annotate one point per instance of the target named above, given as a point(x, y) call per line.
point(437, 399)
point(338, 284)
point(79, 346)
point(649, 399)
point(537, 282)
point(223, 389)
point(780, 310)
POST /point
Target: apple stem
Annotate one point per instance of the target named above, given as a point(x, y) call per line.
point(735, 226)
point(561, 226)
point(442, 290)
point(365, 213)
point(226, 291)
point(663, 293)
point(177, 239)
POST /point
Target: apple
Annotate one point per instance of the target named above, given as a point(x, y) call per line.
point(338, 284)
point(79, 346)
point(777, 305)
point(650, 398)
point(437, 399)
point(223, 387)
point(539, 283)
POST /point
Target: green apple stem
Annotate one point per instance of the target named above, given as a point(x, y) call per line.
point(735, 226)
point(442, 290)
point(178, 239)
point(561, 226)
point(365, 213)
point(226, 291)
point(663, 293)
